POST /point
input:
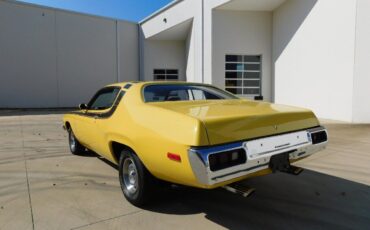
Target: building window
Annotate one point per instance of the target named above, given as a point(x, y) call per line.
point(166, 74)
point(243, 75)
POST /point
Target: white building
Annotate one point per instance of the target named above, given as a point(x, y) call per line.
point(309, 53)
point(56, 58)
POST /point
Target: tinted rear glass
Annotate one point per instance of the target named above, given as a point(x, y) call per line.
point(160, 93)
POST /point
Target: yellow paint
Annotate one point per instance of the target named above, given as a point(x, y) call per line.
point(154, 129)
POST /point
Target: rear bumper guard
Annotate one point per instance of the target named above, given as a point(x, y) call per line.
point(258, 152)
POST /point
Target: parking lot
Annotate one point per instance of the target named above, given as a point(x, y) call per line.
point(43, 186)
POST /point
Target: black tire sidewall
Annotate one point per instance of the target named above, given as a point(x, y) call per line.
point(142, 192)
point(79, 149)
point(70, 133)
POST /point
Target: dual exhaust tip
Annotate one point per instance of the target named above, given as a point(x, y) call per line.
point(245, 191)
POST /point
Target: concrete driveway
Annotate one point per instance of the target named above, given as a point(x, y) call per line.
point(43, 186)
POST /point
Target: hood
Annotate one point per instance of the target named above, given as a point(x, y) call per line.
point(235, 120)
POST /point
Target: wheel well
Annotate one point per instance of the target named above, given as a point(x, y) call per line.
point(117, 149)
point(68, 126)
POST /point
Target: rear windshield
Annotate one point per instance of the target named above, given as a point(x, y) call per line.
point(160, 93)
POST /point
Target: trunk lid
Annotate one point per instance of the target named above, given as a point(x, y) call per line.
point(235, 120)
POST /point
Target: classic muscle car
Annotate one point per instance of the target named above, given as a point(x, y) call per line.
point(190, 134)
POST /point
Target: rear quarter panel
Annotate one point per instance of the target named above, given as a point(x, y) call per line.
point(152, 133)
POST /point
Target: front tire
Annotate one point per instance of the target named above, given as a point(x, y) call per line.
point(74, 146)
point(137, 183)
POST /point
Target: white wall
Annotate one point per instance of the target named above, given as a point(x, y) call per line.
point(160, 54)
point(190, 56)
point(86, 56)
point(181, 12)
point(128, 51)
point(245, 33)
point(175, 15)
point(313, 54)
point(198, 44)
point(55, 58)
point(27, 57)
point(361, 91)
point(209, 6)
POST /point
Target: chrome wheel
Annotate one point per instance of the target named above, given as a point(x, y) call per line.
point(72, 141)
point(74, 145)
point(130, 176)
point(137, 184)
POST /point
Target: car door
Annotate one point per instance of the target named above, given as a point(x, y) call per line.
point(99, 105)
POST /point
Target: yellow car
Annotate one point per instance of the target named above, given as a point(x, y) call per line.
point(190, 134)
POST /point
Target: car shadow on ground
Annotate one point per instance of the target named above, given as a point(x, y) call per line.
point(309, 201)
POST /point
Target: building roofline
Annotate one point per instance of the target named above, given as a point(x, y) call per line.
point(166, 7)
point(66, 11)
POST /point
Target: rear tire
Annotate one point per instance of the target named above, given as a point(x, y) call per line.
point(137, 184)
point(74, 146)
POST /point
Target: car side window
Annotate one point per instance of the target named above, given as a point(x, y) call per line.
point(198, 94)
point(104, 98)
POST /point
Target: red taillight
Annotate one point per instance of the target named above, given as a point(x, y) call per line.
point(174, 157)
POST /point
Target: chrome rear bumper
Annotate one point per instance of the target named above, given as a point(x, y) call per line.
point(258, 153)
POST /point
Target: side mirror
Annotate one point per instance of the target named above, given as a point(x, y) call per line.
point(82, 106)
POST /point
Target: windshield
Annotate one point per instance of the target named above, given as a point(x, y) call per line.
point(160, 93)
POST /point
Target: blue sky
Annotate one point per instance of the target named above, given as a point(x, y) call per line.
point(132, 10)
